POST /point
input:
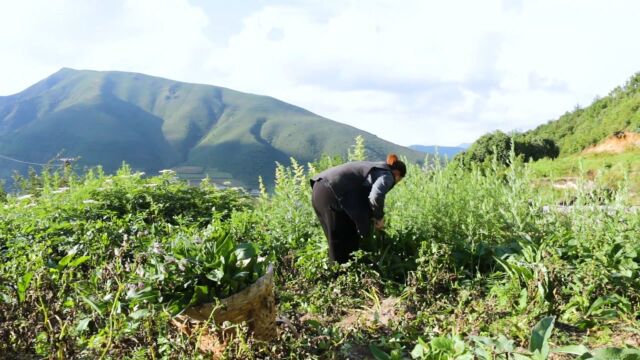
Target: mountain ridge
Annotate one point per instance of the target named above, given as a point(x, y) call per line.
point(107, 117)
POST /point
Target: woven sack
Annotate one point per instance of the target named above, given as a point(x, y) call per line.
point(254, 304)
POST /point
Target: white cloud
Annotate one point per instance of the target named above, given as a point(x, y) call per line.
point(162, 37)
point(429, 72)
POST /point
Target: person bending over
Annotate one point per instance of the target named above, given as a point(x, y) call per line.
point(348, 197)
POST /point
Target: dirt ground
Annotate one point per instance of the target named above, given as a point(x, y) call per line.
point(615, 144)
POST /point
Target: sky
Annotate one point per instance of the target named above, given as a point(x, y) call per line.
point(409, 71)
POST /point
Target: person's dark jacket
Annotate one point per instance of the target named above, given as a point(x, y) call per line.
point(352, 184)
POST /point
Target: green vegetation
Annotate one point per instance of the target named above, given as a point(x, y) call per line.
point(498, 145)
point(603, 170)
point(469, 266)
point(555, 147)
point(92, 261)
point(152, 123)
point(576, 130)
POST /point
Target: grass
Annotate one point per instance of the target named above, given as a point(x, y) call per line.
point(606, 170)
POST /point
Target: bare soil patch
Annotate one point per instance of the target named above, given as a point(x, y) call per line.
point(616, 143)
point(376, 314)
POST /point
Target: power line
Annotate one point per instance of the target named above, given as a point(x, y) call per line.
point(25, 162)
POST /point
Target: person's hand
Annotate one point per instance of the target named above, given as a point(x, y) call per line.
point(379, 224)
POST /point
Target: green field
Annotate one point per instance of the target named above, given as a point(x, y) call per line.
point(605, 170)
point(469, 266)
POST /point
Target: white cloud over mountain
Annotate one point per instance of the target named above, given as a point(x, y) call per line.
point(409, 71)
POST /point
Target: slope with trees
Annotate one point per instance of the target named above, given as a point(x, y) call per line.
point(578, 129)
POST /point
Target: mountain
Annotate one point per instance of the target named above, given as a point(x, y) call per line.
point(583, 127)
point(154, 123)
point(448, 151)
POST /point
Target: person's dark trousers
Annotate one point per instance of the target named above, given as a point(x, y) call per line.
point(341, 232)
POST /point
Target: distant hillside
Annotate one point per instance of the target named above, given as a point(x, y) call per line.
point(154, 123)
point(448, 151)
point(581, 128)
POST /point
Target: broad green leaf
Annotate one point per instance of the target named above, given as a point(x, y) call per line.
point(226, 246)
point(504, 345)
point(482, 353)
point(201, 294)
point(518, 356)
point(378, 354)
point(540, 335)
point(65, 260)
point(23, 285)
point(83, 325)
point(615, 354)
point(139, 314)
point(241, 275)
point(523, 299)
point(442, 343)
point(216, 275)
point(5, 298)
point(79, 261)
point(483, 340)
point(571, 349)
point(246, 251)
point(146, 293)
point(418, 351)
point(93, 305)
point(596, 305)
point(458, 346)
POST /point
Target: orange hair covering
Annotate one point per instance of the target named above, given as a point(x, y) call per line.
point(392, 159)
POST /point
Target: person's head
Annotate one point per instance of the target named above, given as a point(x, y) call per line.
point(398, 168)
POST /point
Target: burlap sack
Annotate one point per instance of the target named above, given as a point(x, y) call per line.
point(255, 305)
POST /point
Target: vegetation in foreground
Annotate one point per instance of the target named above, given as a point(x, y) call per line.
point(603, 170)
point(470, 266)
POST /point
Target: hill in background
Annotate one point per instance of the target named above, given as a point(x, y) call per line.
point(576, 130)
point(614, 115)
point(154, 123)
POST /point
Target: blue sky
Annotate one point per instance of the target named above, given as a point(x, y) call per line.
point(410, 71)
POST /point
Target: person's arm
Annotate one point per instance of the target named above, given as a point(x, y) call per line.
point(379, 190)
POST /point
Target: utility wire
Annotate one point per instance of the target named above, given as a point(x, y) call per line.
point(26, 162)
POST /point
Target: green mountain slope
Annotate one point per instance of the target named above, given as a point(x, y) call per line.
point(154, 123)
point(576, 130)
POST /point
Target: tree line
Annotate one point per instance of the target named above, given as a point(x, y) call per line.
point(499, 145)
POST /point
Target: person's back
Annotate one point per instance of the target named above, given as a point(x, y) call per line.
point(346, 196)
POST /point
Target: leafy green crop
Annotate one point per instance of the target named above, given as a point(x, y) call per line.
point(94, 260)
point(191, 270)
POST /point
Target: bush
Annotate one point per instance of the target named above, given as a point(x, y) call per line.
point(498, 145)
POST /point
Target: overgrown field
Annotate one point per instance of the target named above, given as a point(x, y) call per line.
point(604, 170)
point(469, 266)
